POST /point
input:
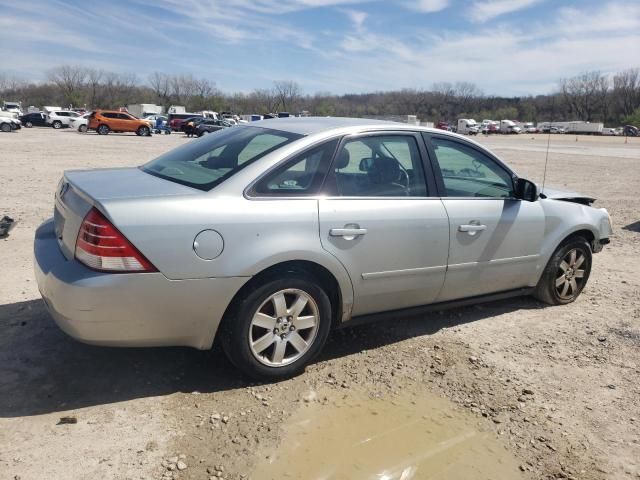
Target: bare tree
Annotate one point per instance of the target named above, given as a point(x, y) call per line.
point(288, 93)
point(584, 93)
point(626, 91)
point(94, 79)
point(70, 80)
point(160, 84)
point(465, 93)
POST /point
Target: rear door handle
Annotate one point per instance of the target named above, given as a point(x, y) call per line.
point(349, 233)
point(472, 229)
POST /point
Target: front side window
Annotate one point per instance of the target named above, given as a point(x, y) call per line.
point(466, 172)
point(302, 175)
point(379, 166)
point(206, 162)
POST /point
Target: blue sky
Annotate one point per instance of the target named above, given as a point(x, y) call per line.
point(506, 47)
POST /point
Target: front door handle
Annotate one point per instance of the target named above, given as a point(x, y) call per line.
point(472, 229)
point(348, 232)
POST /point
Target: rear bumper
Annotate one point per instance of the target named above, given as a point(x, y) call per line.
point(138, 309)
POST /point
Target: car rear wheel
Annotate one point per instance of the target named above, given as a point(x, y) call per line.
point(278, 328)
point(103, 129)
point(57, 124)
point(143, 131)
point(5, 127)
point(28, 124)
point(82, 128)
point(566, 274)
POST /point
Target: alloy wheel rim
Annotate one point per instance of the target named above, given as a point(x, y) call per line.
point(570, 275)
point(284, 327)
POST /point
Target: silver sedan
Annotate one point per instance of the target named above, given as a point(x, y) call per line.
point(269, 235)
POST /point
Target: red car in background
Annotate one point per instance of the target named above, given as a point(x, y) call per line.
point(176, 120)
point(443, 126)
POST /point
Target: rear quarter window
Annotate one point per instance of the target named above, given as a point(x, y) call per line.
point(206, 162)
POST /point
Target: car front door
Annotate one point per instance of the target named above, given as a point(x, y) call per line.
point(382, 220)
point(126, 123)
point(495, 238)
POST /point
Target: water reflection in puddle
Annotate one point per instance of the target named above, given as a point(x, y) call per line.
point(408, 437)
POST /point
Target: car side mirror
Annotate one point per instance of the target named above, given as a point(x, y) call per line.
point(527, 190)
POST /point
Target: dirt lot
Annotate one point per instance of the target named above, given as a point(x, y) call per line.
point(558, 387)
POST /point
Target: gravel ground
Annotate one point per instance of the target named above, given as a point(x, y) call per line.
point(558, 387)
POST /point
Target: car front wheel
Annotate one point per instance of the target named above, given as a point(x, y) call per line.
point(143, 132)
point(566, 274)
point(103, 130)
point(57, 124)
point(278, 328)
point(82, 129)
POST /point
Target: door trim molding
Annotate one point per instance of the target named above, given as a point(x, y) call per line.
point(495, 261)
point(404, 272)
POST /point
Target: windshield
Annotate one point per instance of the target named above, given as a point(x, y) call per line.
point(206, 162)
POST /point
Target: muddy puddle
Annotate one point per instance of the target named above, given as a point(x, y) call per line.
point(414, 436)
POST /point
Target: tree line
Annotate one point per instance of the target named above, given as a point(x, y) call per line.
point(591, 96)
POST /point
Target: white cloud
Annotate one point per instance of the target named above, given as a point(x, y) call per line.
point(357, 17)
point(485, 10)
point(427, 6)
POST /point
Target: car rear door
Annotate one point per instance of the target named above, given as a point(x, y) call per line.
point(382, 220)
point(495, 239)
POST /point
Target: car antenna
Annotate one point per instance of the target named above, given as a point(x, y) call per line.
point(546, 158)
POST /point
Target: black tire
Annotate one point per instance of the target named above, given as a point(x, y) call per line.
point(57, 124)
point(82, 129)
point(28, 124)
point(143, 131)
point(103, 129)
point(561, 282)
point(5, 127)
point(235, 329)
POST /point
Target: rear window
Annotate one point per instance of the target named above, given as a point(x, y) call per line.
point(207, 162)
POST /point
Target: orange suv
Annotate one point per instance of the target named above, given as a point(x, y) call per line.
point(106, 121)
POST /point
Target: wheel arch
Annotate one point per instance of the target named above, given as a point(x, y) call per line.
point(553, 243)
point(340, 295)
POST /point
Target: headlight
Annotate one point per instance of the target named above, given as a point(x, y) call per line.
point(606, 225)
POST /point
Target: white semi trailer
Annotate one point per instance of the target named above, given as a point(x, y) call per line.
point(509, 126)
point(467, 126)
point(141, 110)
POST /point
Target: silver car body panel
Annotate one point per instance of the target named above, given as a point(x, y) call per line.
point(502, 256)
point(401, 258)
point(413, 251)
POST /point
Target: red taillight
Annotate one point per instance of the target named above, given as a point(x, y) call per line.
point(102, 247)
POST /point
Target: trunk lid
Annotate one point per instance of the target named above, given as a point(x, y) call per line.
point(80, 190)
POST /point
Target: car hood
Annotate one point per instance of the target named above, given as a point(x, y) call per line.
point(122, 183)
point(576, 197)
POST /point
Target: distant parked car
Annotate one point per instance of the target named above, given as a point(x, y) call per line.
point(443, 126)
point(8, 124)
point(177, 120)
point(152, 118)
point(560, 130)
point(37, 119)
point(60, 118)
point(211, 125)
point(107, 121)
point(196, 119)
point(631, 131)
point(80, 123)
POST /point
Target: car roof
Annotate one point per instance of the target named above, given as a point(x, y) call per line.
point(311, 125)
